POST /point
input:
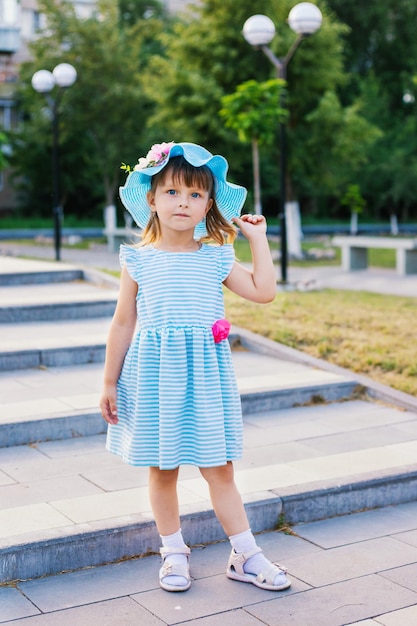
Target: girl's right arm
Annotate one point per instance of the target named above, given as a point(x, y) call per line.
point(120, 335)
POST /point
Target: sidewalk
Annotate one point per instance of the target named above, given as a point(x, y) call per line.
point(360, 569)
point(374, 279)
point(305, 465)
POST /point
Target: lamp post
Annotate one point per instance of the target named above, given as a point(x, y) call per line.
point(43, 81)
point(304, 19)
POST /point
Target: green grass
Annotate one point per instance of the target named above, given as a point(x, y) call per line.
point(47, 222)
point(368, 333)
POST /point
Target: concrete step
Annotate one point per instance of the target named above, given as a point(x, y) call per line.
point(43, 302)
point(68, 504)
point(53, 344)
point(38, 278)
point(61, 402)
point(24, 272)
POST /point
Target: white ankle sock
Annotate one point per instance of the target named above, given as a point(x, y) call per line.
point(244, 543)
point(175, 541)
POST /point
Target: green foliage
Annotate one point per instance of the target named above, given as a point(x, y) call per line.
point(100, 116)
point(4, 143)
point(380, 62)
point(145, 78)
point(132, 11)
point(206, 58)
point(254, 110)
point(342, 141)
point(353, 200)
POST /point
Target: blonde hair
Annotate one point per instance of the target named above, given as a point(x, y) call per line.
point(218, 229)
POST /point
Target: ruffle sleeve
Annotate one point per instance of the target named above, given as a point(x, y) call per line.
point(227, 259)
point(131, 258)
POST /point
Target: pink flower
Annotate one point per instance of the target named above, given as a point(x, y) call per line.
point(221, 330)
point(158, 153)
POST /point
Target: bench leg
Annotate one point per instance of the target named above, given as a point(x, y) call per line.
point(406, 262)
point(110, 243)
point(354, 258)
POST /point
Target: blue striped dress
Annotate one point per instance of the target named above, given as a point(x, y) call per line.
point(178, 401)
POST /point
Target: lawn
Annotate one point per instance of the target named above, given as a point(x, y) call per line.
point(371, 334)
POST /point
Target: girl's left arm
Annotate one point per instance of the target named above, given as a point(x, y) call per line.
point(260, 283)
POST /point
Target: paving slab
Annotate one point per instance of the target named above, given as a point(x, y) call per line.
point(358, 527)
point(373, 583)
point(297, 459)
point(336, 605)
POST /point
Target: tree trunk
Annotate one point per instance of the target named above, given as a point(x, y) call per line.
point(256, 177)
point(394, 224)
point(294, 232)
point(353, 223)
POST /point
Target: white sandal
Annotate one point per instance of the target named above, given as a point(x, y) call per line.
point(264, 580)
point(173, 569)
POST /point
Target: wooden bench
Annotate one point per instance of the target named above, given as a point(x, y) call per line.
point(355, 252)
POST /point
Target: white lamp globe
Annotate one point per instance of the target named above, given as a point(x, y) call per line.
point(305, 18)
point(43, 81)
point(259, 30)
point(64, 74)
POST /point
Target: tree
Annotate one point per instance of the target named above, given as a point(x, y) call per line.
point(206, 57)
point(380, 62)
point(353, 200)
point(253, 111)
point(102, 115)
point(342, 141)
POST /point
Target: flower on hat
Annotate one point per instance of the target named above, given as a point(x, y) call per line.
point(156, 156)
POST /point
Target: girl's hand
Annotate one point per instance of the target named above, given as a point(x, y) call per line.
point(108, 405)
point(251, 225)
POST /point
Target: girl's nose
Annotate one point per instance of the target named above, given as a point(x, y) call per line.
point(183, 201)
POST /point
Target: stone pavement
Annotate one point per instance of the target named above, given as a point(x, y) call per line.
point(358, 569)
point(320, 443)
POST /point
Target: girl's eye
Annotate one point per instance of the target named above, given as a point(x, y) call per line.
point(171, 192)
point(195, 194)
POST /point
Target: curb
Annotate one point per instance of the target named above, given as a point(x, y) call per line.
point(40, 278)
point(57, 311)
point(90, 545)
point(375, 390)
point(52, 357)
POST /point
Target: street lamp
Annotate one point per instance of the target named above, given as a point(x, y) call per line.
point(43, 81)
point(259, 30)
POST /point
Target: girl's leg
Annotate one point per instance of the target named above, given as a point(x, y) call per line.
point(252, 566)
point(164, 500)
point(174, 573)
point(225, 498)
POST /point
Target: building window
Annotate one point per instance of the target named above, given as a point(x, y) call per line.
point(36, 21)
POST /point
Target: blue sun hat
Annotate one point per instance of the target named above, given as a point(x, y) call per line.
point(229, 197)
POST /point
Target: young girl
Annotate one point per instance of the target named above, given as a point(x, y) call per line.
point(170, 395)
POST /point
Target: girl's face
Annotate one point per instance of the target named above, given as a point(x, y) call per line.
point(178, 206)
